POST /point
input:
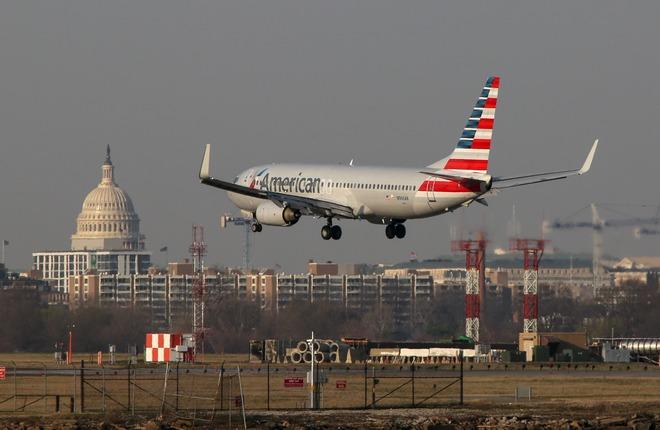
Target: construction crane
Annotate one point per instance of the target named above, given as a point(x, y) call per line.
point(246, 223)
point(643, 231)
point(640, 231)
point(597, 225)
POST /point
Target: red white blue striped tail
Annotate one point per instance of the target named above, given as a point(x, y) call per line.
point(473, 148)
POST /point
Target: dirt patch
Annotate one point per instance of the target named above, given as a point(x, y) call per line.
point(477, 416)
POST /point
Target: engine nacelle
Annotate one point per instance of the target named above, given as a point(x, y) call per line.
point(270, 214)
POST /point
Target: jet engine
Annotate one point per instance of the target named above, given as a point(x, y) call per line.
point(270, 214)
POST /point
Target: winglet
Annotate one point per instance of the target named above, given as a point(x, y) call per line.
point(204, 170)
point(590, 157)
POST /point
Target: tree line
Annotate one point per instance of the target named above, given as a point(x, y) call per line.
point(30, 326)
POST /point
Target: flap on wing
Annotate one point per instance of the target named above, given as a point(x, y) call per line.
point(309, 206)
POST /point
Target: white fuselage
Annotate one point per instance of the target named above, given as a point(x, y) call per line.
point(378, 194)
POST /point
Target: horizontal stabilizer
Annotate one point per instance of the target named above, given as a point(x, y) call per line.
point(517, 181)
point(457, 175)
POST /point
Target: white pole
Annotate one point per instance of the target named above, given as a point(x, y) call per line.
point(240, 386)
point(311, 374)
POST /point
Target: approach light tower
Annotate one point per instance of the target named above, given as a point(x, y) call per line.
point(532, 253)
point(198, 251)
point(475, 272)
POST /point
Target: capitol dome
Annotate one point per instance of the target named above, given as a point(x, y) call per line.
point(108, 220)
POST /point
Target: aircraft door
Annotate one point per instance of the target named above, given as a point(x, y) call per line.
point(430, 190)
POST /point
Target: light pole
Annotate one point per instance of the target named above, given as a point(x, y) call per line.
point(4, 243)
point(69, 355)
point(312, 392)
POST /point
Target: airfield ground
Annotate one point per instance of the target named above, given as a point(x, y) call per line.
point(564, 415)
point(593, 396)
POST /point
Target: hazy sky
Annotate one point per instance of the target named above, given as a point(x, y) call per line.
point(379, 81)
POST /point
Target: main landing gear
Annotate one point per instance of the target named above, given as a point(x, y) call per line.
point(395, 230)
point(330, 231)
point(256, 227)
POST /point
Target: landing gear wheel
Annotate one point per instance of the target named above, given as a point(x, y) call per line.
point(336, 232)
point(256, 227)
point(326, 232)
point(390, 231)
point(400, 231)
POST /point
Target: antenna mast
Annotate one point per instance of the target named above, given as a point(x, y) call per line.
point(198, 251)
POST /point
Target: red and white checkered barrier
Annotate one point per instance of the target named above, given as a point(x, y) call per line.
point(159, 347)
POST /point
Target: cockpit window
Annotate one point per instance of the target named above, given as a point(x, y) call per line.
point(236, 179)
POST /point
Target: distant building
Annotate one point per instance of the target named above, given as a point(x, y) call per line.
point(31, 285)
point(504, 271)
point(168, 298)
point(638, 263)
point(107, 238)
point(330, 268)
point(180, 268)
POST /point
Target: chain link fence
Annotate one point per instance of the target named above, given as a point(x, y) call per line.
point(210, 391)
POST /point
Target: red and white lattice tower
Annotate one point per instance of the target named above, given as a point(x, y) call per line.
point(198, 251)
point(475, 253)
point(532, 253)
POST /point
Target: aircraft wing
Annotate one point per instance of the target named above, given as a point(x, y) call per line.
point(517, 181)
point(306, 205)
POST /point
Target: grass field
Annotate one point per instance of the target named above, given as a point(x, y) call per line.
point(198, 388)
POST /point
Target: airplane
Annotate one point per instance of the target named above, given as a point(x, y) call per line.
point(280, 194)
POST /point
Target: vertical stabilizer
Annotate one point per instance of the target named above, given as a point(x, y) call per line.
point(473, 148)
